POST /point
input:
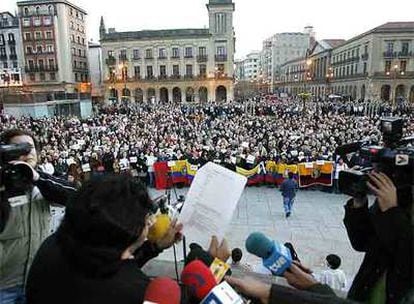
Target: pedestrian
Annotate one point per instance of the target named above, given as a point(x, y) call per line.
point(333, 276)
point(289, 188)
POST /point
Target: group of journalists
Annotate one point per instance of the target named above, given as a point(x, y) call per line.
point(97, 253)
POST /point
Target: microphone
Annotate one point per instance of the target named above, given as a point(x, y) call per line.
point(222, 294)
point(276, 257)
point(162, 291)
point(198, 278)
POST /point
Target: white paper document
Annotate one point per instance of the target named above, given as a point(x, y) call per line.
point(210, 203)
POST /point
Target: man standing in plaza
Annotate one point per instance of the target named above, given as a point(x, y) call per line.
point(289, 188)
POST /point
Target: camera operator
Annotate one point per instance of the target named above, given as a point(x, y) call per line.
point(384, 233)
point(25, 223)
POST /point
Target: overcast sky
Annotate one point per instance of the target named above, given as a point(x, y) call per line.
point(254, 20)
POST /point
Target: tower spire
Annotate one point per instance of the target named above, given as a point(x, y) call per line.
point(102, 29)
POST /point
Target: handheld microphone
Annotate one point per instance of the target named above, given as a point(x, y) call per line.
point(222, 294)
point(162, 291)
point(276, 257)
point(198, 278)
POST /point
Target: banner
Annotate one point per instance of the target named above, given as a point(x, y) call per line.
point(162, 180)
point(320, 173)
point(191, 172)
point(253, 175)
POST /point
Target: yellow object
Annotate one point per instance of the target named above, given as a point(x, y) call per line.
point(160, 227)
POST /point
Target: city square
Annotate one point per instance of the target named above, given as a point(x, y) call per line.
point(110, 111)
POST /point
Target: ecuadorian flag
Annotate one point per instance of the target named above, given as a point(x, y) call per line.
point(253, 175)
point(315, 173)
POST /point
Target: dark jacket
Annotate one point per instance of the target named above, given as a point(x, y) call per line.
point(386, 238)
point(317, 294)
point(289, 188)
point(54, 279)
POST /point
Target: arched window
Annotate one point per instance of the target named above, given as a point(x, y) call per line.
point(37, 10)
point(26, 11)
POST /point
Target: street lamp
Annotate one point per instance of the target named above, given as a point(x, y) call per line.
point(329, 77)
point(308, 64)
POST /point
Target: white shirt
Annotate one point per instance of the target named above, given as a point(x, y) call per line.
point(338, 169)
point(335, 278)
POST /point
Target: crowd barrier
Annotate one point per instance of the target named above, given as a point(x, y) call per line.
point(169, 173)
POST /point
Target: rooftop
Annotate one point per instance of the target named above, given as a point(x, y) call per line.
point(154, 34)
point(333, 43)
point(35, 2)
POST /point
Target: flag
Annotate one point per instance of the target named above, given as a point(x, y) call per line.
point(191, 172)
point(178, 169)
point(161, 170)
point(315, 173)
point(253, 175)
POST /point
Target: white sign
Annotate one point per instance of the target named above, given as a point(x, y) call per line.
point(86, 168)
point(171, 163)
point(320, 162)
point(133, 159)
point(309, 165)
point(250, 159)
point(402, 159)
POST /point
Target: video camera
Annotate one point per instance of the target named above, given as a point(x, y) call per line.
point(15, 179)
point(395, 159)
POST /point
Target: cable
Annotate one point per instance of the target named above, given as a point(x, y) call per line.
point(176, 264)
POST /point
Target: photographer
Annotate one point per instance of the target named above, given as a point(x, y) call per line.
point(384, 233)
point(24, 224)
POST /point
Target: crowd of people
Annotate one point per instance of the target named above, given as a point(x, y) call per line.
point(131, 138)
point(97, 253)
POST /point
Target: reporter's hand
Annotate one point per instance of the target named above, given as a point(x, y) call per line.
point(298, 278)
point(221, 251)
point(384, 189)
point(172, 236)
point(251, 288)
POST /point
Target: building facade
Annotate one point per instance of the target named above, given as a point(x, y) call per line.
point(54, 45)
point(96, 71)
point(182, 65)
point(11, 57)
point(286, 47)
point(376, 65)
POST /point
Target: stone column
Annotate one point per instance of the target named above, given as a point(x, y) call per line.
point(170, 95)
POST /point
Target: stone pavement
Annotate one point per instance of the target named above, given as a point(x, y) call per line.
point(315, 227)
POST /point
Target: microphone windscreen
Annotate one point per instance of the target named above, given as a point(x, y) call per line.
point(163, 291)
point(259, 245)
point(198, 278)
point(197, 253)
point(160, 227)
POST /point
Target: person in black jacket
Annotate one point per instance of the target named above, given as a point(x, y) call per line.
point(384, 233)
point(97, 252)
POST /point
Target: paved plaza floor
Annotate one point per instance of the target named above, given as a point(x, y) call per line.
point(315, 228)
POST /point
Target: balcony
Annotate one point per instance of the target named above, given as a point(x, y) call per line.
point(188, 56)
point(149, 57)
point(13, 57)
point(220, 58)
point(150, 77)
point(404, 54)
point(123, 58)
point(364, 56)
point(188, 76)
point(162, 57)
point(136, 58)
point(110, 61)
point(175, 76)
point(162, 77)
point(175, 57)
point(3, 57)
point(202, 58)
point(11, 42)
point(31, 68)
point(390, 54)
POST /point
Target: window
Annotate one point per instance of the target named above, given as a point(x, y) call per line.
point(387, 66)
point(366, 49)
point(32, 77)
point(49, 9)
point(39, 49)
point(188, 52)
point(137, 72)
point(26, 11)
point(221, 50)
point(41, 64)
point(29, 50)
point(175, 52)
point(404, 48)
point(1, 39)
point(110, 53)
point(163, 71)
point(78, 40)
point(203, 70)
point(80, 53)
point(124, 73)
point(26, 22)
point(48, 35)
point(31, 64)
point(37, 21)
point(52, 76)
point(15, 64)
point(202, 51)
point(220, 22)
point(83, 41)
point(135, 54)
point(38, 36)
point(176, 70)
point(42, 77)
point(390, 47)
point(150, 73)
point(72, 38)
point(148, 54)
point(162, 53)
point(12, 50)
point(47, 20)
point(49, 48)
point(51, 62)
point(403, 66)
point(37, 10)
point(11, 37)
point(76, 77)
point(5, 65)
point(189, 70)
point(123, 55)
point(71, 12)
point(27, 36)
